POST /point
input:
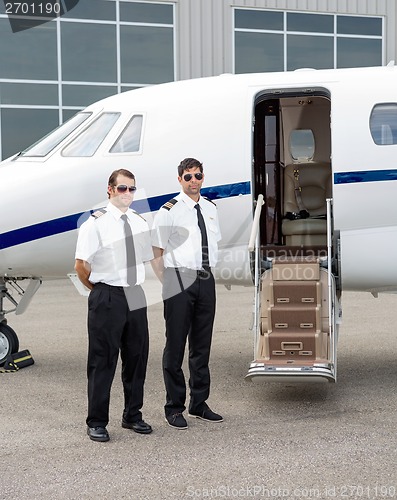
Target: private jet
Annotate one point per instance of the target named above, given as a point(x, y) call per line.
point(301, 166)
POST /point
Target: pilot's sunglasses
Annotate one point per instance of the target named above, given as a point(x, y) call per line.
point(197, 175)
point(122, 188)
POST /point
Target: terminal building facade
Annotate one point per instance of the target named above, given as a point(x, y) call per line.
point(103, 47)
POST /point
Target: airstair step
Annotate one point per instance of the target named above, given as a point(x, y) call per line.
point(297, 347)
point(295, 319)
point(304, 293)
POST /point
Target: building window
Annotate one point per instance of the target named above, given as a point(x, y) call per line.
point(144, 12)
point(146, 55)
point(88, 52)
point(29, 54)
point(93, 10)
point(276, 41)
point(24, 126)
point(97, 49)
point(258, 52)
point(29, 94)
point(305, 51)
point(310, 23)
point(364, 52)
point(82, 95)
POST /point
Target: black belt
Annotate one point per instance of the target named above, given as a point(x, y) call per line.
point(201, 273)
point(110, 287)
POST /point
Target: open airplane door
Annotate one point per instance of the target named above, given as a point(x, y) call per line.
point(296, 250)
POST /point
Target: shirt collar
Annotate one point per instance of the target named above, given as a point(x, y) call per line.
point(189, 202)
point(116, 212)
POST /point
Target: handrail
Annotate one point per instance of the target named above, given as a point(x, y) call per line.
point(255, 223)
point(254, 244)
point(331, 291)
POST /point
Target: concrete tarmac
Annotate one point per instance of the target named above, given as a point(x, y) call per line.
point(278, 440)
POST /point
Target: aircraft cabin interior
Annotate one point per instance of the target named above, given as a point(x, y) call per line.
point(292, 169)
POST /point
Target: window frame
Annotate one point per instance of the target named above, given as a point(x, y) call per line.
point(335, 36)
point(80, 136)
point(392, 128)
point(24, 154)
point(123, 131)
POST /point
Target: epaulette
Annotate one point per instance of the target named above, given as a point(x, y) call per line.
point(170, 204)
point(98, 213)
point(139, 215)
point(209, 200)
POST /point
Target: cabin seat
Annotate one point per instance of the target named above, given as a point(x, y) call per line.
point(315, 181)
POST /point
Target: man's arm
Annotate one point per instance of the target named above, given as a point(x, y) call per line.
point(158, 263)
point(83, 270)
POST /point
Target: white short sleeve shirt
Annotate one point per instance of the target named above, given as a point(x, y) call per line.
point(176, 231)
point(101, 243)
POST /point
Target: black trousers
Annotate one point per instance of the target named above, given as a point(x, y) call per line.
point(189, 311)
point(115, 327)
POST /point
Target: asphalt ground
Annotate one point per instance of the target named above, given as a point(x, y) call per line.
point(276, 441)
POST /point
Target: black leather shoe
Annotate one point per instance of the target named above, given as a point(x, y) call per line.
point(98, 434)
point(207, 414)
point(141, 427)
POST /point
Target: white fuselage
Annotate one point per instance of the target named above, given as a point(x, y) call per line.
point(210, 119)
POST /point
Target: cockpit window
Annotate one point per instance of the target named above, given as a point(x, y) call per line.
point(92, 137)
point(55, 137)
point(383, 123)
point(301, 145)
point(130, 138)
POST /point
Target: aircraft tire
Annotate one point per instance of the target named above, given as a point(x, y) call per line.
point(9, 342)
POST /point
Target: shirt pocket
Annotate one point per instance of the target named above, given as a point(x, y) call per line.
point(182, 234)
point(110, 246)
point(142, 246)
point(112, 254)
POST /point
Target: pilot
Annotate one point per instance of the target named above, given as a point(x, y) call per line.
point(111, 248)
point(185, 237)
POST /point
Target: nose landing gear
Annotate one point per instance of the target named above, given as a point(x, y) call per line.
point(9, 342)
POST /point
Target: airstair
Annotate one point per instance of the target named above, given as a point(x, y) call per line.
point(295, 314)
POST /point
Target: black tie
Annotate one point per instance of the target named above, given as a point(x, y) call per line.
point(130, 250)
point(204, 239)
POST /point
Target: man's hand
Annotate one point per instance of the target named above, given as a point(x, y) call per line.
point(83, 270)
point(158, 263)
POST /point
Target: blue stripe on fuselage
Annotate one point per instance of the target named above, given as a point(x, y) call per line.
point(365, 176)
point(71, 222)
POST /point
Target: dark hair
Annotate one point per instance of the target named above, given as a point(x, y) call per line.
point(187, 164)
point(121, 171)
